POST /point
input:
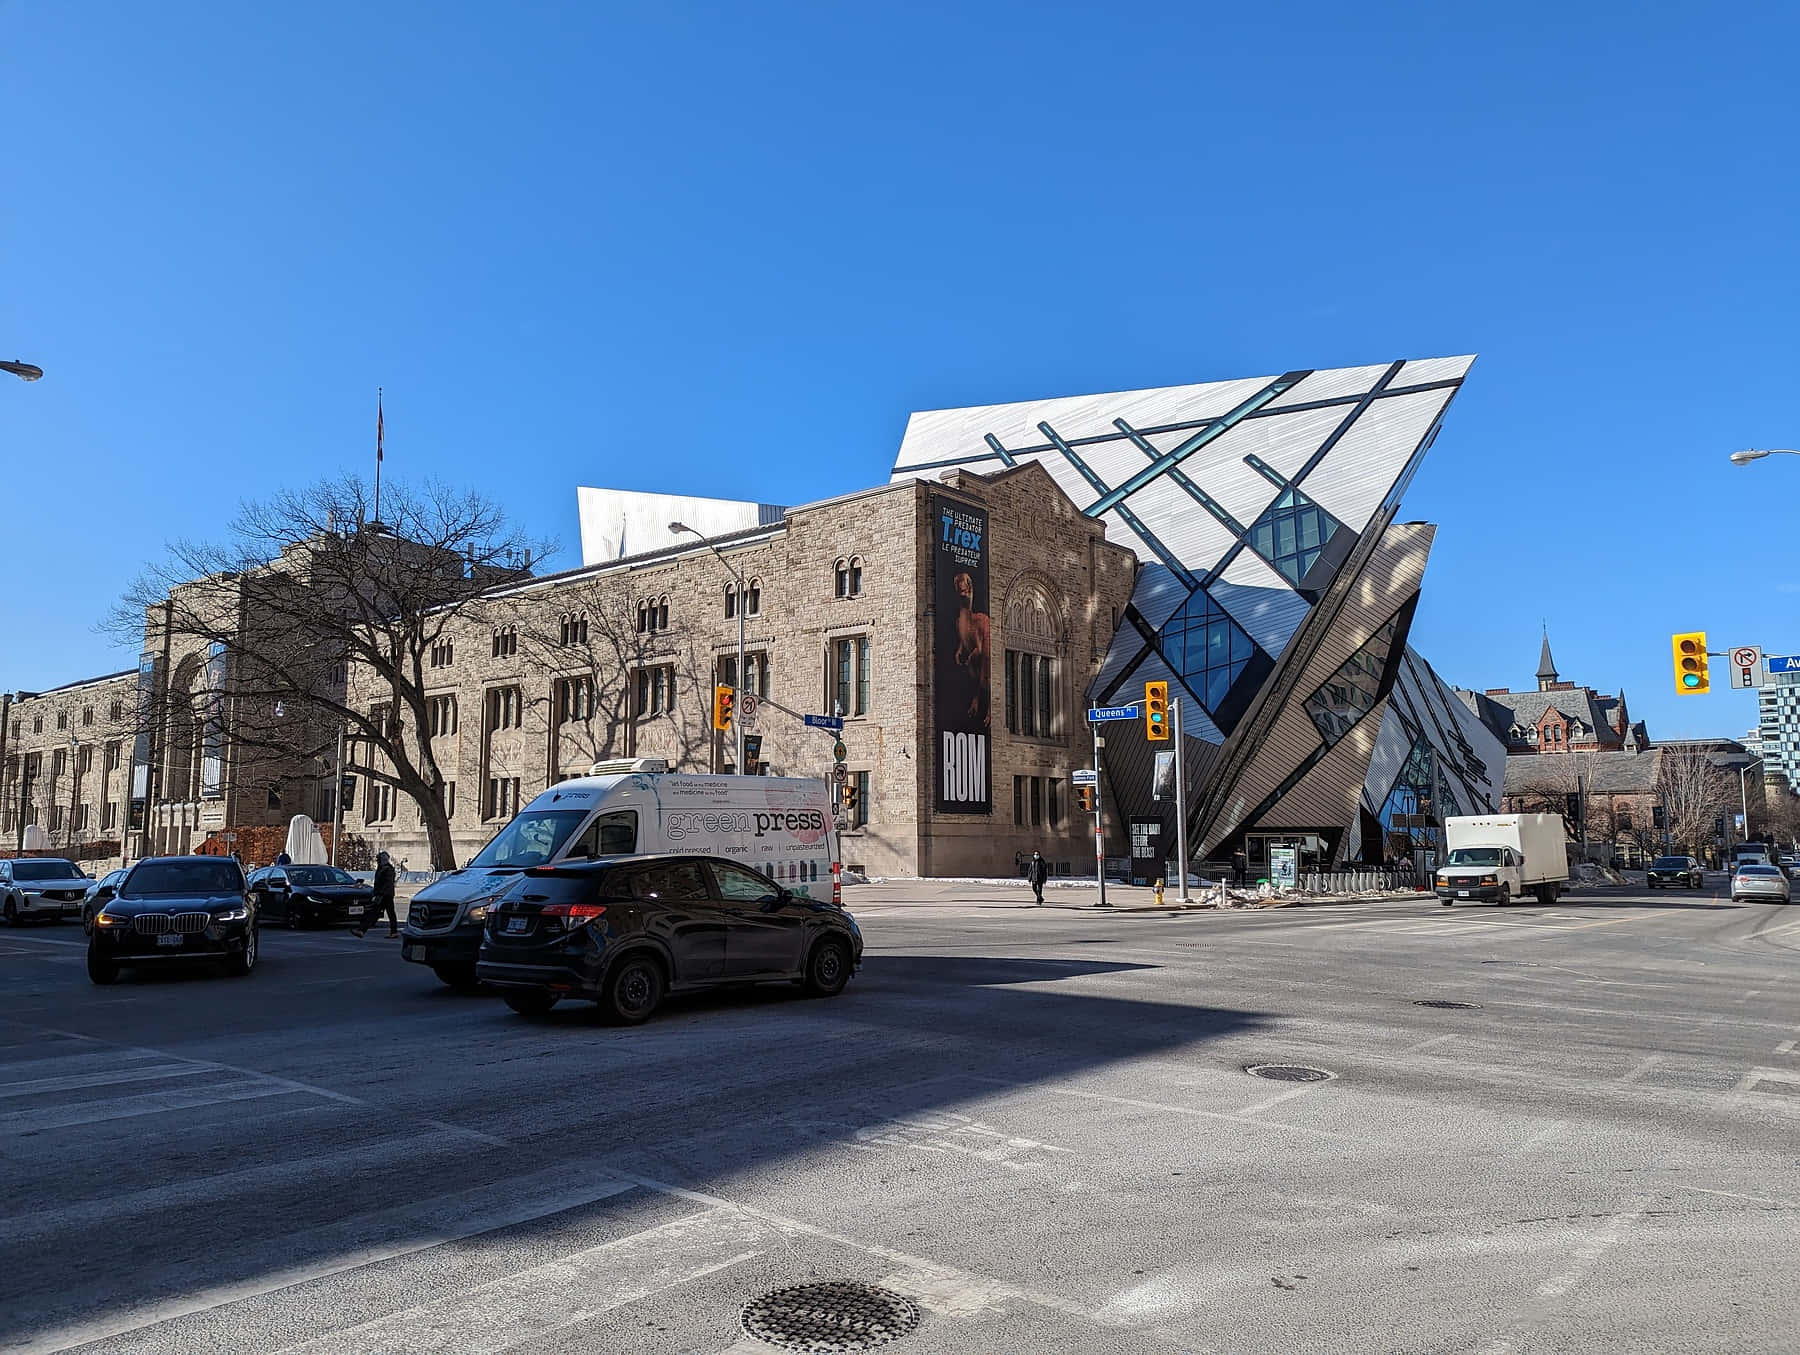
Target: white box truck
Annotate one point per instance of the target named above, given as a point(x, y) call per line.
point(1502, 857)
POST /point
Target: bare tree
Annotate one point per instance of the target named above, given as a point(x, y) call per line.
point(262, 627)
point(596, 643)
point(1563, 783)
point(1694, 792)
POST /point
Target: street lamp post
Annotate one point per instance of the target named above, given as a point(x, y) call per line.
point(743, 600)
point(25, 371)
point(1749, 454)
point(74, 787)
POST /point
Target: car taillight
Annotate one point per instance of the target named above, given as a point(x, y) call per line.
point(574, 914)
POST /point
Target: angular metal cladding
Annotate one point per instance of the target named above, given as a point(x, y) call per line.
point(1261, 510)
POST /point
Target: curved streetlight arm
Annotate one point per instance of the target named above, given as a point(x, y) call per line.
point(743, 600)
point(25, 371)
point(1749, 454)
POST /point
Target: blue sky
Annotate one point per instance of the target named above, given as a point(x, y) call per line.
point(728, 248)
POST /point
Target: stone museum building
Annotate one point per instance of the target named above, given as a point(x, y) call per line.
point(1239, 540)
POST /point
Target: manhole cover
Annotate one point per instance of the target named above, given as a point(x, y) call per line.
point(1446, 1005)
point(836, 1315)
point(1288, 1072)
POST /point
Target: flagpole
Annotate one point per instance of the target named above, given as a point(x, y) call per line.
point(378, 431)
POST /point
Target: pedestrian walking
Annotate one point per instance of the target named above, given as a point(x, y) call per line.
point(283, 859)
point(1037, 873)
point(1240, 867)
point(384, 898)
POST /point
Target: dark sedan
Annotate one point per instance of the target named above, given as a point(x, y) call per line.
point(1677, 871)
point(175, 908)
point(309, 896)
point(623, 931)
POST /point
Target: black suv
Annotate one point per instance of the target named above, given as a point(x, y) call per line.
point(624, 930)
point(175, 908)
point(1679, 871)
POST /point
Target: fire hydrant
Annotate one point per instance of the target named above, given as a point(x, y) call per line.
point(1159, 892)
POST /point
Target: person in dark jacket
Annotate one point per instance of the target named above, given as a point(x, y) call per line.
point(1037, 873)
point(384, 898)
point(283, 859)
point(1240, 867)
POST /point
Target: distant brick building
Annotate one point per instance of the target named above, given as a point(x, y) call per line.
point(1558, 717)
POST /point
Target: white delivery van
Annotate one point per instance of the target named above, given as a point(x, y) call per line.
point(1503, 857)
point(780, 827)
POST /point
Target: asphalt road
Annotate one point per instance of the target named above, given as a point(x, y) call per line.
point(1036, 1124)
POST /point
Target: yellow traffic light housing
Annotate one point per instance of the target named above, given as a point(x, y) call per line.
point(1692, 677)
point(724, 702)
point(1156, 711)
point(1087, 799)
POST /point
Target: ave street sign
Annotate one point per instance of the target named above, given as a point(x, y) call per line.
point(824, 722)
point(1746, 665)
point(1784, 663)
point(1098, 713)
point(1084, 776)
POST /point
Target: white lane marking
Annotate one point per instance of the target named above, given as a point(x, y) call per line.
point(475, 1134)
point(1736, 1195)
point(1427, 1044)
point(46, 941)
point(1137, 1104)
point(1785, 1047)
point(949, 1132)
point(1054, 1302)
point(129, 1107)
point(1278, 1098)
point(146, 1072)
point(541, 1300)
point(102, 1060)
point(1640, 1069)
point(522, 1208)
point(1777, 931)
point(949, 1293)
point(1601, 1241)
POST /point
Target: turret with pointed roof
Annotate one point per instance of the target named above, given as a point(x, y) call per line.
point(1546, 673)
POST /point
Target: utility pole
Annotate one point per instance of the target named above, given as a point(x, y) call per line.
point(1180, 806)
point(1099, 821)
point(337, 795)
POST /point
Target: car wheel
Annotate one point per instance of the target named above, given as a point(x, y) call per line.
point(1505, 895)
point(460, 978)
point(634, 990)
point(1449, 903)
point(828, 968)
point(531, 1002)
point(12, 914)
point(242, 962)
point(102, 969)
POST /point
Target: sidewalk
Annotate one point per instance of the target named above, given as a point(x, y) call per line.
point(1078, 896)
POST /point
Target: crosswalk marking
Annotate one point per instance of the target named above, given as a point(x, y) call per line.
point(128, 1107)
point(78, 1081)
point(544, 1299)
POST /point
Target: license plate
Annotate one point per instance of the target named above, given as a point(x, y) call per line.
point(1462, 893)
point(517, 924)
point(170, 939)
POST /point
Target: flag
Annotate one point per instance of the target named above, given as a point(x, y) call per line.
point(378, 426)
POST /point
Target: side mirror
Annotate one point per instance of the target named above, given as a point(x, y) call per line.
point(770, 902)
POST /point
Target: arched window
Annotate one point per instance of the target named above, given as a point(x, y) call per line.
point(643, 617)
point(842, 571)
point(848, 572)
point(753, 598)
point(730, 601)
point(662, 613)
point(856, 576)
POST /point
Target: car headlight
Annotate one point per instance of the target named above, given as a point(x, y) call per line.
point(105, 919)
point(237, 914)
point(479, 912)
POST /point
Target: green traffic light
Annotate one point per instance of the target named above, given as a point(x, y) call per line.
point(1690, 679)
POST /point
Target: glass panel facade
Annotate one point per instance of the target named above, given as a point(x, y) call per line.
point(1291, 533)
point(1351, 692)
point(1207, 648)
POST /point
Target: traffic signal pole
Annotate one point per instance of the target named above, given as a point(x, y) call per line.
point(1099, 824)
point(1180, 805)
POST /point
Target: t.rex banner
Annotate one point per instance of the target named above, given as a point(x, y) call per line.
point(962, 666)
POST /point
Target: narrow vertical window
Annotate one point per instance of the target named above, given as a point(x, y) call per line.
point(862, 674)
point(1044, 726)
point(1012, 692)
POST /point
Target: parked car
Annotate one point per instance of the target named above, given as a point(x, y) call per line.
point(175, 908)
point(309, 896)
point(1753, 881)
point(97, 896)
point(623, 931)
point(40, 887)
point(1679, 871)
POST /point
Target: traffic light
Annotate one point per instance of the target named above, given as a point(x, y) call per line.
point(724, 702)
point(1156, 711)
point(1691, 676)
point(1087, 799)
point(848, 793)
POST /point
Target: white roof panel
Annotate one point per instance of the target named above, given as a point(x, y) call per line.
point(1357, 474)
